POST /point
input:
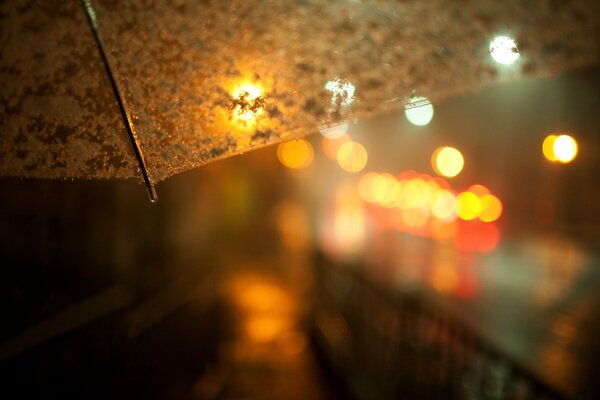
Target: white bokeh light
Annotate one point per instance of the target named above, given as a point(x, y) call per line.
point(504, 50)
point(419, 110)
point(335, 131)
point(342, 91)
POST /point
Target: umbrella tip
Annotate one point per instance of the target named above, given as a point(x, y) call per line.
point(152, 194)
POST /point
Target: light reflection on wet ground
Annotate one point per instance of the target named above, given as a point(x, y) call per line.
point(535, 298)
point(268, 354)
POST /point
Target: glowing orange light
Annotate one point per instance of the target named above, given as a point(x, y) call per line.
point(479, 190)
point(259, 297)
point(474, 236)
point(415, 217)
point(442, 230)
point(491, 208)
point(444, 278)
point(352, 156)
point(331, 146)
point(349, 227)
point(468, 206)
point(447, 161)
point(292, 342)
point(406, 175)
point(265, 328)
point(488, 238)
point(296, 154)
point(249, 102)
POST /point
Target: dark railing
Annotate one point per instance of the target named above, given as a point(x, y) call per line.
point(385, 344)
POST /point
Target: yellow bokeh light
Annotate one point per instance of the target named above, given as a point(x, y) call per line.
point(411, 193)
point(352, 156)
point(391, 192)
point(296, 154)
point(368, 188)
point(443, 204)
point(447, 161)
point(415, 217)
point(479, 190)
point(248, 102)
point(548, 147)
point(561, 148)
point(349, 220)
point(491, 208)
point(468, 206)
point(565, 148)
point(332, 145)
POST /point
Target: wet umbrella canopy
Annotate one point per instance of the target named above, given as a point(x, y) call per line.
point(203, 80)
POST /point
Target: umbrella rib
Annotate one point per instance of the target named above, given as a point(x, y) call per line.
point(137, 148)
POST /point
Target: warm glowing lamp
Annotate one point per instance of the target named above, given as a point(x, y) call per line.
point(419, 110)
point(491, 208)
point(548, 147)
point(335, 131)
point(560, 148)
point(352, 156)
point(248, 102)
point(443, 204)
point(468, 206)
point(296, 154)
point(504, 50)
point(447, 161)
point(565, 149)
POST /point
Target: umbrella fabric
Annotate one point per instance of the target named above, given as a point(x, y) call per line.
point(184, 68)
point(58, 114)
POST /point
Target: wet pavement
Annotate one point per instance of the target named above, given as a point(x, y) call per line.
point(239, 334)
point(268, 355)
point(534, 298)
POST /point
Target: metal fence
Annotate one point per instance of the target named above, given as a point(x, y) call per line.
point(384, 344)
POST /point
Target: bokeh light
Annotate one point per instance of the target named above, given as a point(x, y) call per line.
point(479, 190)
point(443, 204)
point(419, 110)
point(349, 221)
point(331, 146)
point(265, 328)
point(296, 154)
point(248, 102)
point(504, 50)
point(447, 161)
point(341, 91)
point(491, 208)
point(335, 131)
point(565, 148)
point(468, 206)
point(548, 147)
point(477, 237)
point(560, 148)
point(352, 156)
point(444, 278)
point(371, 187)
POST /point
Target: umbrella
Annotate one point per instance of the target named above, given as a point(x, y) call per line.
point(148, 89)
